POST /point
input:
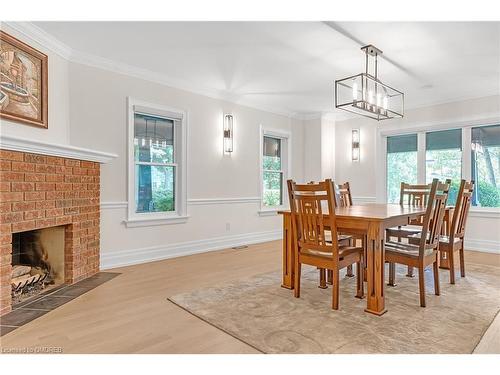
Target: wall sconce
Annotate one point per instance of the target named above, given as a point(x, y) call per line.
point(355, 144)
point(228, 133)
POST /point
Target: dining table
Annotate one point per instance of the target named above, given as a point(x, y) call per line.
point(369, 220)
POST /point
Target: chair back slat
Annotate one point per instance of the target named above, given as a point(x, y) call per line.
point(461, 209)
point(414, 195)
point(309, 204)
point(343, 197)
point(434, 215)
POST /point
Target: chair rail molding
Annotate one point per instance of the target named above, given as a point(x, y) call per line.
point(364, 199)
point(12, 143)
point(113, 205)
point(212, 201)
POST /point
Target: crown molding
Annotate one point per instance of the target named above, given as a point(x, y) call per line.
point(304, 116)
point(159, 78)
point(12, 143)
point(41, 37)
point(49, 42)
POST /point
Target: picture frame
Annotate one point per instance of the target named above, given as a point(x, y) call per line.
point(23, 82)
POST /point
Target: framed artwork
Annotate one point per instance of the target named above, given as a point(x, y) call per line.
point(23, 82)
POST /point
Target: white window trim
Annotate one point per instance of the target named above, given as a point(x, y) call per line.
point(286, 156)
point(180, 215)
point(420, 130)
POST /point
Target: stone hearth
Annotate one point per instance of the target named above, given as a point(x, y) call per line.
point(39, 191)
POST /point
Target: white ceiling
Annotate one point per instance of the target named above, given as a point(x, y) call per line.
point(290, 67)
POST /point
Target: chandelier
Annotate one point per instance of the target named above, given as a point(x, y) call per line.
point(365, 95)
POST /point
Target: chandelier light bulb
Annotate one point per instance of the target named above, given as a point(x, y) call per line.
point(370, 97)
point(355, 91)
point(143, 142)
point(384, 103)
point(379, 100)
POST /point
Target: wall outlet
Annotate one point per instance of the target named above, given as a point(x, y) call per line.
point(228, 227)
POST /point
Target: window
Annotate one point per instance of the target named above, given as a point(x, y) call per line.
point(272, 173)
point(155, 168)
point(471, 152)
point(157, 175)
point(401, 164)
point(274, 169)
point(485, 165)
point(443, 159)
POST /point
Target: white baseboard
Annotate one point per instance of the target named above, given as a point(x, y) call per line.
point(485, 246)
point(113, 259)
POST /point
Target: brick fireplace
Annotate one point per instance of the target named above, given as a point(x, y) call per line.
point(39, 191)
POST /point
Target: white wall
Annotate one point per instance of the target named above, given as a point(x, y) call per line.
point(483, 229)
point(319, 148)
point(58, 100)
point(312, 149)
point(98, 120)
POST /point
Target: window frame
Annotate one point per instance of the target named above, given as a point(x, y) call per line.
point(421, 130)
point(286, 141)
point(179, 215)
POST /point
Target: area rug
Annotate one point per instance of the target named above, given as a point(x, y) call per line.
point(260, 313)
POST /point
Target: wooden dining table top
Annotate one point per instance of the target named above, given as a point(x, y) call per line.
point(375, 211)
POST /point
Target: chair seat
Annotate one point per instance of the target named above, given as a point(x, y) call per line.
point(407, 229)
point(447, 239)
point(404, 248)
point(442, 239)
point(343, 251)
point(340, 237)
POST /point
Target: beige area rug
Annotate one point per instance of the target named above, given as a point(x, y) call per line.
point(260, 313)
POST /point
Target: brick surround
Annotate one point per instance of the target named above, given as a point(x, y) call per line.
point(38, 191)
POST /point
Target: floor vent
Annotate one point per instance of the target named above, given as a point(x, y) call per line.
point(240, 247)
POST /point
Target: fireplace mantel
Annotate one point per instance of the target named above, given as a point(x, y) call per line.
point(12, 143)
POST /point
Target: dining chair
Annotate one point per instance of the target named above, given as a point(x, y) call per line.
point(344, 239)
point(410, 195)
point(312, 209)
point(343, 198)
point(453, 240)
point(415, 195)
point(425, 252)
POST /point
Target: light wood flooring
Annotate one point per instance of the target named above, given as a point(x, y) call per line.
point(131, 314)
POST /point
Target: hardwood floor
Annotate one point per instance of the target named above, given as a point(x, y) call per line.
point(131, 314)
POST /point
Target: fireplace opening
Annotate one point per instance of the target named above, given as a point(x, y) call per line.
point(37, 262)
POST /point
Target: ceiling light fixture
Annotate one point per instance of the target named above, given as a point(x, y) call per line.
point(365, 95)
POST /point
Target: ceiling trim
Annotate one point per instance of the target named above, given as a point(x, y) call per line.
point(41, 37)
point(48, 41)
point(51, 43)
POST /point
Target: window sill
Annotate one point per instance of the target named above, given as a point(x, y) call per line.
point(148, 222)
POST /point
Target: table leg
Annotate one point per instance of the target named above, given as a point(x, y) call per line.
point(375, 300)
point(444, 262)
point(288, 254)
